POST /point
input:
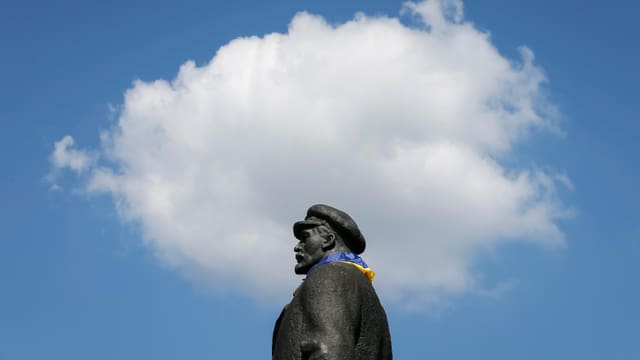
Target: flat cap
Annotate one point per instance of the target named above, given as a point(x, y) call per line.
point(338, 220)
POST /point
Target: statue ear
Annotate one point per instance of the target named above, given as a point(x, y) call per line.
point(329, 241)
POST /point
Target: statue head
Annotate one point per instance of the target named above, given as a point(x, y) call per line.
point(325, 230)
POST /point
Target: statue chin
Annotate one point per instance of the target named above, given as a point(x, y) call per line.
point(301, 269)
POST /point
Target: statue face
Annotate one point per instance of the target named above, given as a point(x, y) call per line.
point(309, 250)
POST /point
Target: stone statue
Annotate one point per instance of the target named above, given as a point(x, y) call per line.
point(335, 313)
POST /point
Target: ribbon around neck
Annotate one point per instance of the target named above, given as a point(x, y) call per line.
point(347, 258)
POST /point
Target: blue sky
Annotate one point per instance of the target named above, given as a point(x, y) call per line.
point(83, 277)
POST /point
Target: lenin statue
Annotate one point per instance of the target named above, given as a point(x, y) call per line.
point(335, 313)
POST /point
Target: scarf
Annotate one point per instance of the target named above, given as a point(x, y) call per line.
point(347, 258)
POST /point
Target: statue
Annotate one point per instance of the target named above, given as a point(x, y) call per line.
point(335, 313)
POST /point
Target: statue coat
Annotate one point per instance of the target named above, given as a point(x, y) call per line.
point(335, 314)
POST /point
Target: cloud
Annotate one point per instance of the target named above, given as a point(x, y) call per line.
point(406, 127)
point(64, 156)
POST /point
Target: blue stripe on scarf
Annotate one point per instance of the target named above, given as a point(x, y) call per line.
point(342, 256)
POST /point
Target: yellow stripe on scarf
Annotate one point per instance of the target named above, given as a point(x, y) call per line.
point(366, 271)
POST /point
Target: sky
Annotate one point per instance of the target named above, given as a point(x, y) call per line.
point(156, 155)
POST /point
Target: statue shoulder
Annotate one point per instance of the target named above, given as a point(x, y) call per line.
point(334, 279)
point(336, 271)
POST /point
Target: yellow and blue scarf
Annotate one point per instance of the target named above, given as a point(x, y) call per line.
point(347, 258)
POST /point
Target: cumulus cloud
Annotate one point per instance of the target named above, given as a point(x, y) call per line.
point(64, 156)
point(406, 127)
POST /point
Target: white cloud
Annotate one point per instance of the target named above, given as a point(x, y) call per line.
point(402, 127)
point(64, 156)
